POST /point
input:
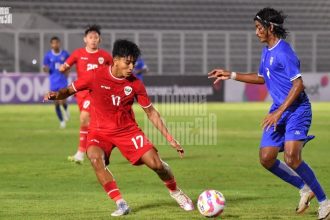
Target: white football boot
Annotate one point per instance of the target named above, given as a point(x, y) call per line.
point(306, 195)
point(182, 199)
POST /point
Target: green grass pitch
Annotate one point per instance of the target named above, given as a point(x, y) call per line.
point(221, 143)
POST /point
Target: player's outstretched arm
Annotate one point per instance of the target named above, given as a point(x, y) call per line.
point(221, 74)
point(155, 118)
point(61, 94)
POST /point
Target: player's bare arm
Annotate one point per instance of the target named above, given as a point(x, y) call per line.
point(155, 118)
point(272, 118)
point(61, 94)
point(221, 74)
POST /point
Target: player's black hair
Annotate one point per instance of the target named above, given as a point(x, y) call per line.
point(269, 16)
point(125, 48)
point(93, 27)
point(54, 38)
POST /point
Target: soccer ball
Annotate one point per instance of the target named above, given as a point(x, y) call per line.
point(211, 203)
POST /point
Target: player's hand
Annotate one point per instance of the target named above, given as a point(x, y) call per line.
point(271, 120)
point(64, 68)
point(50, 96)
point(176, 145)
point(219, 74)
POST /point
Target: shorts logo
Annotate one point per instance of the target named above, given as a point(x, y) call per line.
point(297, 132)
point(128, 90)
point(95, 140)
point(101, 60)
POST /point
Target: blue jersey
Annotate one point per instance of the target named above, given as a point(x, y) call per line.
point(279, 66)
point(139, 67)
point(53, 61)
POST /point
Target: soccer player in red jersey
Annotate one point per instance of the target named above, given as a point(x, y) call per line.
point(113, 91)
point(86, 59)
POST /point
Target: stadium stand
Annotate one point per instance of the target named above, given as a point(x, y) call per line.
point(183, 26)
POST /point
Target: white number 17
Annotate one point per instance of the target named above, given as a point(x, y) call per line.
point(135, 141)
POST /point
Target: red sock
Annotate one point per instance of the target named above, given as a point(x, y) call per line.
point(83, 138)
point(170, 184)
point(112, 190)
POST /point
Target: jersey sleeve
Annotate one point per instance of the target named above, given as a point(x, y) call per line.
point(291, 65)
point(141, 95)
point(46, 61)
point(72, 59)
point(108, 58)
point(85, 82)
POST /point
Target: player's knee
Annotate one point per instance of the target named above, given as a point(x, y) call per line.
point(292, 160)
point(267, 161)
point(96, 161)
point(157, 165)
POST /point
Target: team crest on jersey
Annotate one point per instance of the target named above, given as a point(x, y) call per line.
point(271, 60)
point(101, 60)
point(62, 58)
point(128, 90)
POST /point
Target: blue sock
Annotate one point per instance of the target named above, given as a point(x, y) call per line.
point(58, 112)
point(307, 174)
point(65, 106)
point(284, 172)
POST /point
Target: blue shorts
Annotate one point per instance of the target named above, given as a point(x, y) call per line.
point(58, 86)
point(293, 126)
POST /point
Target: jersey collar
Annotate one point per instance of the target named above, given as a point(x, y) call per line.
point(56, 54)
point(269, 49)
point(91, 52)
point(116, 79)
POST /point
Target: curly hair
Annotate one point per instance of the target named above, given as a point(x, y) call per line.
point(269, 16)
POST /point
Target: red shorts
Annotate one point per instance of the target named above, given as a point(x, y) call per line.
point(132, 143)
point(83, 100)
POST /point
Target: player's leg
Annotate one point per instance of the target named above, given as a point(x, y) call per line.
point(153, 161)
point(293, 159)
point(84, 104)
point(272, 143)
point(66, 113)
point(96, 156)
point(59, 114)
point(268, 159)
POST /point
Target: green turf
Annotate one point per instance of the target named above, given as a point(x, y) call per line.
point(36, 181)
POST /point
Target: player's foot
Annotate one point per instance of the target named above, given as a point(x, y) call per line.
point(76, 160)
point(306, 195)
point(324, 210)
point(122, 209)
point(182, 199)
point(62, 124)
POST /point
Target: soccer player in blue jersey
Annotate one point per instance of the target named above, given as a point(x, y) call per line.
point(140, 68)
point(286, 126)
point(53, 59)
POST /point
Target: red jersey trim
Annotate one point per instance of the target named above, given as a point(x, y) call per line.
point(74, 88)
point(91, 52)
point(146, 106)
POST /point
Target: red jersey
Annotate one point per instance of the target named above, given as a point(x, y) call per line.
point(86, 61)
point(112, 99)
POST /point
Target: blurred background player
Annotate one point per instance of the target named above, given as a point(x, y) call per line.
point(88, 58)
point(53, 59)
point(286, 126)
point(140, 68)
point(113, 91)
